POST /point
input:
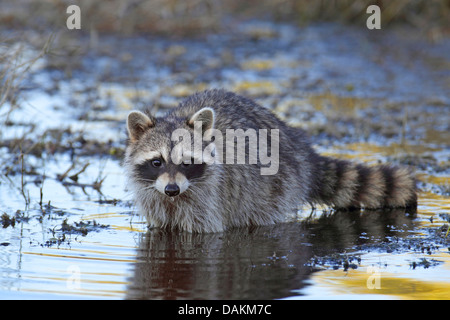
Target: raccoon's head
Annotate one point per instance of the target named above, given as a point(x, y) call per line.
point(153, 156)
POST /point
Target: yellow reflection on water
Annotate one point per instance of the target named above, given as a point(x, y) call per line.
point(397, 280)
point(345, 105)
point(368, 152)
point(360, 282)
point(433, 203)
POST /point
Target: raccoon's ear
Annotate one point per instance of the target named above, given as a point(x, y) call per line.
point(206, 116)
point(137, 124)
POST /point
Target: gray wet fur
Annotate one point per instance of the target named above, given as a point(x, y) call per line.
point(235, 195)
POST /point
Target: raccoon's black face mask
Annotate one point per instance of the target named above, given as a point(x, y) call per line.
point(150, 170)
point(167, 176)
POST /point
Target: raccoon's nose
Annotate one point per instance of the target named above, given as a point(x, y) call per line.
point(172, 190)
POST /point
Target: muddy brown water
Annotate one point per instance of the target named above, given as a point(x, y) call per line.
point(69, 227)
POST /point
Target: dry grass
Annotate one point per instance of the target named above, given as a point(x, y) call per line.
point(191, 17)
point(15, 65)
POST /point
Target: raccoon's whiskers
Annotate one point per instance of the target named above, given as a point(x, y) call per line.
point(148, 187)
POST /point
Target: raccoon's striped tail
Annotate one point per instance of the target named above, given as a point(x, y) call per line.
point(343, 184)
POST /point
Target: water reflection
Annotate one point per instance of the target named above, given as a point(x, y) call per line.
point(252, 263)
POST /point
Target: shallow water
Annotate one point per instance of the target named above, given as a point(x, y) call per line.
point(70, 229)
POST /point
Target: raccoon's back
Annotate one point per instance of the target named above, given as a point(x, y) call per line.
point(237, 112)
point(232, 111)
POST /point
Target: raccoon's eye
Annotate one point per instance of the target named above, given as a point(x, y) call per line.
point(156, 163)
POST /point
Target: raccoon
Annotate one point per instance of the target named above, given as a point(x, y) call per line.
point(185, 191)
